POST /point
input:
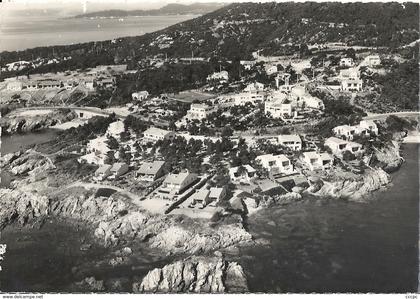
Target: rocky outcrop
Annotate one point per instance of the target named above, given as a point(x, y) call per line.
point(177, 239)
point(195, 275)
point(389, 157)
point(22, 206)
point(12, 123)
point(353, 189)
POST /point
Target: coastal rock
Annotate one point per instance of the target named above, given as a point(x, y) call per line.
point(15, 123)
point(354, 189)
point(180, 240)
point(194, 275)
point(21, 206)
point(389, 157)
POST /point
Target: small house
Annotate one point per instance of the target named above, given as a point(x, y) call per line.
point(117, 170)
point(317, 161)
point(242, 174)
point(102, 172)
point(150, 171)
point(200, 198)
point(291, 141)
point(177, 182)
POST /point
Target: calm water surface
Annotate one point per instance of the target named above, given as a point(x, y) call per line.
point(19, 33)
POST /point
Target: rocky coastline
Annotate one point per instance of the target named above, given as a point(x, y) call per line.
point(115, 221)
point(17, 124)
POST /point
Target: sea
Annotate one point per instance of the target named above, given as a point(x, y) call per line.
point(315, 245)
point(29, 31)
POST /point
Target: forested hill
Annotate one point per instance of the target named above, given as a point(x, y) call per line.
point(169, 9)
point(236, 30)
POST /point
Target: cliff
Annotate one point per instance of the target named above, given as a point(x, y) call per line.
point(195, 275)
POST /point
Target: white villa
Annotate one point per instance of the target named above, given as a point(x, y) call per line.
point(276, 163)
point(140, 95)
point(200, 198)
point(102, 172)
point(317, 161)
point(313, 102)
point(351, 84)
point(339, 146)
point(346, 62)
point(199, 111)
point(155, 134)
point(373, 60)
point(365, 127)
point(241, 99)
point(177, 183)
point(291, 141)
point(278, 109)
point(345, 131)
point(243, 173)
point(222, 77)
point(369, 125)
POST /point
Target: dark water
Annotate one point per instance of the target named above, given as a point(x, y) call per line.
point(13, 143)
point(50, 259)
point(341, 246)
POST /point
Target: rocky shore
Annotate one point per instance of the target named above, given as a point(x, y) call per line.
point(195, 275)
point(355, 188)
point(15, 123)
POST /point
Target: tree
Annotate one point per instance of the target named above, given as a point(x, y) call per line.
point(227, 131)
point(110, 158)
point(112, 143)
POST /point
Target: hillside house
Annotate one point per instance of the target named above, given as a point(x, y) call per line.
point(242, 174)
point(155, 134)
point(345, 131)
point(150, 171)
point(199, 112)
point(351, 85)
point(117, 170)
point(248, 64)
point(14, 85)
point(339, 146)
point(291, 141)
point(317, 161)
point(177, 183)
point(276, 163)
point(346, 62)
point(102, 172)
point(373, 60)
point(370, 126)
point(221, 77)
point(277, 109)
point(200, 198)
point(241, 99)
point(140, 95)
point(313, 103)
point(216, 195)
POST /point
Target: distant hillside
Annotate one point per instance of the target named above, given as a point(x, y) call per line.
point(170, 9)
point(236, 30)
